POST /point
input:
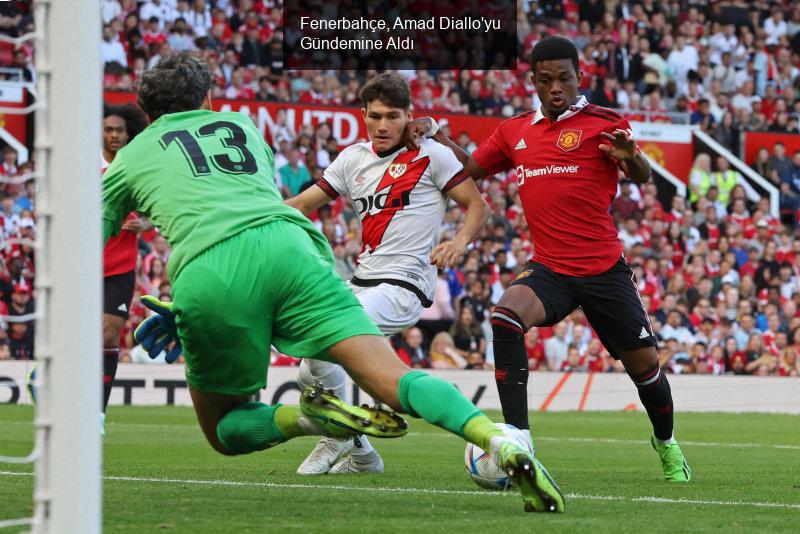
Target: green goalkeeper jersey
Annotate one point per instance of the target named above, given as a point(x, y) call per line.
point(200, 177)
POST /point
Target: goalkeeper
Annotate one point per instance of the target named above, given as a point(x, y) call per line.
point(249, 271)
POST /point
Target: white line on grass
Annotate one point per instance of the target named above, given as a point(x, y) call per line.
point(634, 441)
point(535, 437)
point(433, 491)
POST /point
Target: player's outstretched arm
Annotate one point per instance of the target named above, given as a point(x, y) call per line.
point(312, 198)
point(478, 211)
point(423, 127)
point(623, 149)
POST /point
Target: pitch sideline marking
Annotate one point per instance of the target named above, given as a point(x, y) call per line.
point(579, 496)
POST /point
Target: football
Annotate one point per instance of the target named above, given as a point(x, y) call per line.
point(482, 469)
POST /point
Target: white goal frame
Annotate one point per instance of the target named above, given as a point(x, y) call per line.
point(67, 492)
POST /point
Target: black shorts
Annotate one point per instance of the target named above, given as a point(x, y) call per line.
point(610, 301)
point(118, 293)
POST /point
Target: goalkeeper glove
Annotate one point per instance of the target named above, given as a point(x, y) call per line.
point(158, 330)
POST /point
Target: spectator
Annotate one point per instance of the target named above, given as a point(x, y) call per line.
point(574, 363)
point(21, 332)
point(253, 51)
point(180, 38)
point(111, 50)
point(726, 179)
point(702, 116)
point(476, 300)
point(744, 97)
point(109, 10)
point(468, 338)
point(159, 10)
point(444, 355)
point(674, 329)
point(534, 347)
point(700, 177)
point(473, 99)
point(763, 166)
point(199, 18)
point(789, 364)
point(789, 177)
point(682, 59)
point(8, 167)
point(293, 175)
point(409, 348)
point(780, 163)
point(624, 207)
point(555, 348)
point(606, 94)
point(775, 27)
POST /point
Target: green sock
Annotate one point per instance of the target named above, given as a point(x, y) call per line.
point(288, 420)
point(480, 430)
point(250, 427)
point(436, 401)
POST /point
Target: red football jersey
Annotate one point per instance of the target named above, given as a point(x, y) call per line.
point(122, 250)
point(566, 184)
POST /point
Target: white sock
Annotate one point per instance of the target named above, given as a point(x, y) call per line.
point(331, 376)
point(670, 441)
point(363, 446)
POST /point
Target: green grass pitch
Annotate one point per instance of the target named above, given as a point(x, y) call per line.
point(161, 476)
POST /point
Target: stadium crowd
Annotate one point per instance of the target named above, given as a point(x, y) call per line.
point(719, 276)
point(727, 66)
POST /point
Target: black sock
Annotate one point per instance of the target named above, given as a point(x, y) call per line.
point(511, 365)
point(110, 359)
point(656, 395)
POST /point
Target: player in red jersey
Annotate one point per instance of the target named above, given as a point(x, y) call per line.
point(567, 157)
point(120, 125)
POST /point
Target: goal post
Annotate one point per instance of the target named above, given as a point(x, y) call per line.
point(67, 491)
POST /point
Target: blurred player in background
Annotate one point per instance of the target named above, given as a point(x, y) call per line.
point(121, 124)
point(567, 157)
point(248, 272)
point(400, 197)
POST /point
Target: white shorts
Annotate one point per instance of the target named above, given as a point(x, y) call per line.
point(392, 308)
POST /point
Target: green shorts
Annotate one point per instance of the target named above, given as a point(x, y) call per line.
point(269, 285)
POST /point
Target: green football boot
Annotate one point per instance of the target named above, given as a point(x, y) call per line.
point(342, 420)
point(539, 491)
point(675, 467)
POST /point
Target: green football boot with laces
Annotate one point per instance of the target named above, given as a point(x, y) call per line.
point(539, 491)
point(342, 420)
point(675, 467)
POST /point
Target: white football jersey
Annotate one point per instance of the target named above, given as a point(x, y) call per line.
point(400, 200)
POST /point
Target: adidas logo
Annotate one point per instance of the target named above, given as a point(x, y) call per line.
point(521, 145)
point(644, 333)
point(123, 307)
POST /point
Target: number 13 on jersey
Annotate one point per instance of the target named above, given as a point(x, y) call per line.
point(235, 140)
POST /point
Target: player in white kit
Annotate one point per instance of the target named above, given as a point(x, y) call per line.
point(400, 196)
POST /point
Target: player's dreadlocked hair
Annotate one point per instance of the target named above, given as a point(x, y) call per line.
point(178, 83)
point(135, 119)
point(389, 88)
point(554, 47)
